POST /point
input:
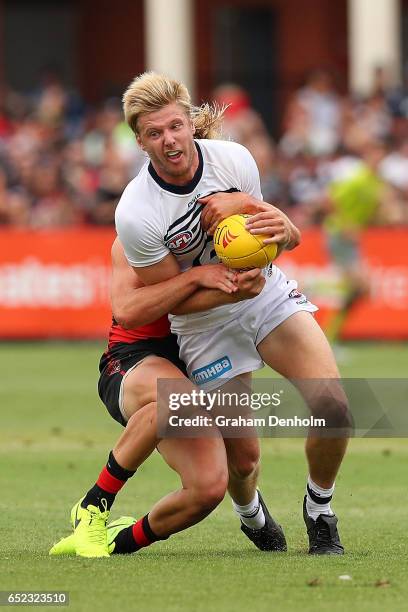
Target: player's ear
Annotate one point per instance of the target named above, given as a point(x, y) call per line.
point(139, 142)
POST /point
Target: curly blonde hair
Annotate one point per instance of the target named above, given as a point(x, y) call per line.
point(150, 92)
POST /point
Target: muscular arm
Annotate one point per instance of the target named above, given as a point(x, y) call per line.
point(249, 284)
point(204, 299)
point(135, 303)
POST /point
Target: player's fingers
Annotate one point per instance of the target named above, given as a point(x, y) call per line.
point(270, 214)
point(257, 284)
point(279, 238)
point(268, 229)
point(264, 223)
point(260, 207)
point(223, 267)
point(265, 227)
point(228, 276)
point(225, 271)
point(212, 224)
point(206, 217)
point(227, 286)
point(213, 227)
point(256, 280)
point(249, 274)
point(205, 199)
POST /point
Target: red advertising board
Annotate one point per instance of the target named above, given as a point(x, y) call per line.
point(56, 283)
point(383, 313)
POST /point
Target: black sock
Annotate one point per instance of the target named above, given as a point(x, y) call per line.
point(135, 537)
point(110, 481)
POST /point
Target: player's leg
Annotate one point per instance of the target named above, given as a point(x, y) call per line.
point(94, 507)
point(309, 356)
point(201, 463)
point(137, 404)
point(202, 466)
point(129, 392)
point(135, 444)
point(256, 522)
point(299, 350)
point(243, 466)
point(203, 353)
point(243, 456)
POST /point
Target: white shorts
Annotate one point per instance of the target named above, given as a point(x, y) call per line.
point(215, 356)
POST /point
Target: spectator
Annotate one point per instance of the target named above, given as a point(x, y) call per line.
point(394, 167)
point(51, 205)
point(243, 124)
point(366, 121)
point(313, 118)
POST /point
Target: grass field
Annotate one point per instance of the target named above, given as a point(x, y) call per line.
point(54, 439)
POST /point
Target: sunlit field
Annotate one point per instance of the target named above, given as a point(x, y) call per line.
point(55, 436)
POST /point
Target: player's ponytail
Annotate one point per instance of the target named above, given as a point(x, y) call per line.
point(207, 120)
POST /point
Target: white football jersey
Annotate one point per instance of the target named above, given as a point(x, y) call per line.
point(154, 218)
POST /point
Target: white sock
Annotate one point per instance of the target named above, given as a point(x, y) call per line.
point(252, 514)
point(314, 493)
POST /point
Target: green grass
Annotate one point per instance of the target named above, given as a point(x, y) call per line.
point(54, 438)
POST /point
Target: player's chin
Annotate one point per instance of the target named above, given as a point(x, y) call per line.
point(177, 169)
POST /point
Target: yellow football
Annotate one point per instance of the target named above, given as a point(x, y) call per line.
point(237, 248)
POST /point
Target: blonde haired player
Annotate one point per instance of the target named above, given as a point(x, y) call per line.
point(276, 327)
point(158, 221)
point(140, 351)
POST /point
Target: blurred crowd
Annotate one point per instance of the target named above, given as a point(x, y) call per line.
point(334, 151)
point(63, 163)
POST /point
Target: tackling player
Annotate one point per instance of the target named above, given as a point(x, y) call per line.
point(135, 359)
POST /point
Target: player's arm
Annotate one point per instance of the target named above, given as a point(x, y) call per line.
point(217, 285)
point(134, 304)
point(249, 285)
point(265, 218)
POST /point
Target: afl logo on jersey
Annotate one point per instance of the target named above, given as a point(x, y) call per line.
point(179, 241)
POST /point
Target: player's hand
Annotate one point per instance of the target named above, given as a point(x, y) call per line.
point(275, 224)
point(219, 206)
point(217, 276)
point(250, 283)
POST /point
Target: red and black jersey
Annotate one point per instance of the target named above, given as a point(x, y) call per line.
point(156, 329)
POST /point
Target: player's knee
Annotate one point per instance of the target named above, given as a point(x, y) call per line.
point(208, 499)
point(144, 418)
point(209, 493)
point(334, 410)
point(245, 466)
